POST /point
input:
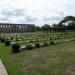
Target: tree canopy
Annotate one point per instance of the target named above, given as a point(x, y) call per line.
point(68, 21)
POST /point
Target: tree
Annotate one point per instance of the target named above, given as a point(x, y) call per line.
point(38, 28)
point(46, 28)
point(68, 21)
point(55, 25)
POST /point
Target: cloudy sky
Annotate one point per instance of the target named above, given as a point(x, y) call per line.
point(37, 12)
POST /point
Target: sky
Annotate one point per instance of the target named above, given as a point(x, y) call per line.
point(38, 12)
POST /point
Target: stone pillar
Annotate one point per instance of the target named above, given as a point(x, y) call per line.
point(13, 25)
point(11, 28)
point(21, 28)
point(8, 28)
point(5, 28)
point(1, 28)
point(14, 28)
point(24, 28)
point(17, 28)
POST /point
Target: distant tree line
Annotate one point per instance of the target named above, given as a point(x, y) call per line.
point(67, 22)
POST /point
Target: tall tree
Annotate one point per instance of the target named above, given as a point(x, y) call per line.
point(38, 28)
point(55, 25)
point(46, 27)
point(68, 21)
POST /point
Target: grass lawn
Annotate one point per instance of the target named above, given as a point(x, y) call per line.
point(52, 60)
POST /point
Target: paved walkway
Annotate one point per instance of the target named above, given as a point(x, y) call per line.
point(2, 69)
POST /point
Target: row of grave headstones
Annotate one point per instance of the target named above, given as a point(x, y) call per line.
point(33, 36)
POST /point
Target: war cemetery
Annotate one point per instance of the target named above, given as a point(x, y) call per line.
point(27, 49)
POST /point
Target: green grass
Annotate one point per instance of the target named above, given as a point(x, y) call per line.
point(52, 60)
point(13, 68)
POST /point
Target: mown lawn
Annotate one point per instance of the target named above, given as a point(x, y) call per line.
point(52, 60)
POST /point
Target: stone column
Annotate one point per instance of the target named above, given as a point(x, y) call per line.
point(5, 29)
point(8, 29)
point(11, 28)
point(24, 28)
point(1, 28)
point(21, 28)
point(16, 28)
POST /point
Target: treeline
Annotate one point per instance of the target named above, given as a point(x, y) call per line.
point(67, 22)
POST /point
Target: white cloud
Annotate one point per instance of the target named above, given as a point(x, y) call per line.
point(35, 11)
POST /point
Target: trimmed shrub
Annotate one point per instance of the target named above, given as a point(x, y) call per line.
point(52, 42)
point(45, 43)
point(51, 38)
point(31, 40)
point(12, 38)
point(37, 45)
point(2, 40)
point(29, 47)
point(7, 43)
point(17, 39)
point(15, 48)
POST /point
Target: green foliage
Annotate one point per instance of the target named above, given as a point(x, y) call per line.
point(51, 38)
point(70, 20)
point(2, 40)
point(7, 43)
point(31, 40)
point(52, 42)
point(12, 38)
point(29, 47)
point(38, 28)
point(45, 43)
point(37, 45)
point(17, 39)
point(15, 48)
point(46, 27)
